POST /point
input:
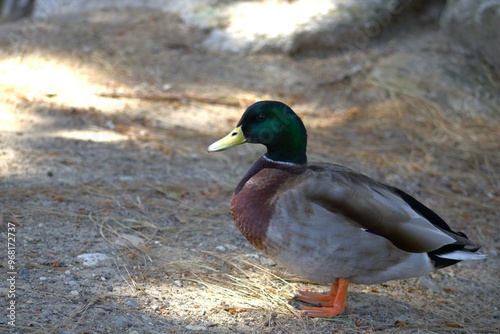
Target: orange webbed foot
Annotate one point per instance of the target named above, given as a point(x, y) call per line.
point(318, 299)
point(325, 305)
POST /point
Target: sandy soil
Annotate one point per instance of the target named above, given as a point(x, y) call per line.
point(105, 119)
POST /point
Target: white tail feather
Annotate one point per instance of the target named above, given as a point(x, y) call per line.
point(461, 255)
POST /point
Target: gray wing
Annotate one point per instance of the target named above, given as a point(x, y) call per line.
point(378, 208)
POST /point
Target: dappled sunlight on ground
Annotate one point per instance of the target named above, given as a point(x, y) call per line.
point(64, 82)
point(98, 135)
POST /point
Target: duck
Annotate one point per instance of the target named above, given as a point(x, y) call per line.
point(327, 223)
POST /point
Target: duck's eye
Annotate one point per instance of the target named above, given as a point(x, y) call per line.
point(261, 117)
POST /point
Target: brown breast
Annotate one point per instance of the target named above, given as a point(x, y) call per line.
point(253, 201)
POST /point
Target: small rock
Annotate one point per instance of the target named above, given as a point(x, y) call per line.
point(267, 262)
point(43, 278)
point(124, 178)
point(131, 303)
point(252, 256)
point(220, 248)
point(74, 292)
point(23, 273)
point(91, 259)
point(122, 322)
point(401, 319)
point(67, 272)
point(230, 247)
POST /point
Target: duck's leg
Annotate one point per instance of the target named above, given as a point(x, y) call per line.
point(327, 305)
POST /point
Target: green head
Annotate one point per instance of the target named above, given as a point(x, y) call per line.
point(273, 124)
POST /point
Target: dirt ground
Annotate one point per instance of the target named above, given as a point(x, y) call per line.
point(105, 119)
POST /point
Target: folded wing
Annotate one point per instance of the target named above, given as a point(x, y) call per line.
point(385, 211)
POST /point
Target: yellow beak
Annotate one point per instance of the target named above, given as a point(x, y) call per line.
point(234, 138)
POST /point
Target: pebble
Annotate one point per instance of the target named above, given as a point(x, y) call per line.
point(23, 273)
point(252, 256)
point(125, 178)
point(121, 322)
point(226, 247)
point(230, 247)
point(74, 292)
point(401, 319)
point(131, 303)
point(43, 278)
point(267, 262)
point(166, 87)
point(91, 259)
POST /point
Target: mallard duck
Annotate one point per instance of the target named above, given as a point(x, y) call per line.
point(327, 223)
